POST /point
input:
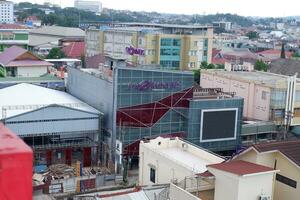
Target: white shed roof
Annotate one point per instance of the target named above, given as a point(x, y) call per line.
point(24, 97)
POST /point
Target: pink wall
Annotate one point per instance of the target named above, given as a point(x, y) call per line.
point(255, 107)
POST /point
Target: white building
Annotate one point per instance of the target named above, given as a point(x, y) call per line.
point(6, 12)
point(240, 180)
point(165, 160)
point(93, 6)
point(50, 120)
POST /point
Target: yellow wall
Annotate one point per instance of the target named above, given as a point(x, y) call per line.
point(286, 167)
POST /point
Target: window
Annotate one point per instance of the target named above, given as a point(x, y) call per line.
point(206, 43)
point(205, 53)
point(263, 95)
point(286, 181)
point(195, 43)
point(140, 41)
point(153, 42)
point(152, 175)
point(176, 42)
point(166, 42)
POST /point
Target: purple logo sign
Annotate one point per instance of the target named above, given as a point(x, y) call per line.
point(135, 51)
point(149, 85)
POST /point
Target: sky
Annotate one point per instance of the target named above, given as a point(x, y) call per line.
point(261, 8)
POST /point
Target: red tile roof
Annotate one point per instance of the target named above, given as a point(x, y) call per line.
point(275, 52)
point(32, 18)
point(240, 167)
point(74, 49)
point(205, 174)
point(12, 26)
point(290, 149)
point(94, 61)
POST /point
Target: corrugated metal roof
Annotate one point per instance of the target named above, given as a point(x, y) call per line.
point(59, 31)
point(23, 98)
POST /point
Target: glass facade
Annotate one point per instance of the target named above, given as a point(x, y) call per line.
point(151, 103)
point(194, 123)
point(170, 53)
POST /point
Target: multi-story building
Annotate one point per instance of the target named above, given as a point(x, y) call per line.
point(170, 46)
point(13, 35)
point(267, 96)
point(93, 6)
point(144, 103)
point(6, 12)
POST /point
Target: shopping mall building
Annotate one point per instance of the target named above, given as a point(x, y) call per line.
point(142, 103)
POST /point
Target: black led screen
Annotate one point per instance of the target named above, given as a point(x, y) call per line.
point(218, 124)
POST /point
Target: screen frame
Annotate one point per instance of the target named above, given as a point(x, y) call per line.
point(218, 110)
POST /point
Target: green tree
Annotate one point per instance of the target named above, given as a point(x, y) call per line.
point(56, 53)
point(210, 66)
point(197, 73)
point(204, 64)
point(2, 72)
point(296, 55)
point(82, 58)
point(260, 66)
point(252, 35)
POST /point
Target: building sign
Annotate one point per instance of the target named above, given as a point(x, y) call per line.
point(135, 51)
point(150, 85)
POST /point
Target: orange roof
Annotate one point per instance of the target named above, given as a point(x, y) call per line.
point(275, 51)
point(240, 167)
point(12, 26)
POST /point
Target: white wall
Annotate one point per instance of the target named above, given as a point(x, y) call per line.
point(177, 193)
point(32, 71)
point(233, 187)
point(168, 169)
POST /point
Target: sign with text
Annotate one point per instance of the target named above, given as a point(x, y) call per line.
point(150, 85)
point(135, 51)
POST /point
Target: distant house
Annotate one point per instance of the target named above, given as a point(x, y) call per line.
point(13, 35)
point(273, 54)
point(33, 21)
point(288, 67)
point(42, 40)
point(233, 55)
point(19, 62)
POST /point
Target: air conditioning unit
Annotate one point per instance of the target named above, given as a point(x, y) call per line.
point(265, 197)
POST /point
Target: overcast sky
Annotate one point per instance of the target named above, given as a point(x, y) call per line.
point(269, 8)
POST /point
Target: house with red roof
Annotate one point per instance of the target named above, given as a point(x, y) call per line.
point(273, 54)
point(241, 180)
point(283, 156)
point(19, 62)
point(33, 21)
point(74, 50)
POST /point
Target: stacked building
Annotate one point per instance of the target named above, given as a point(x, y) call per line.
point(170, 46)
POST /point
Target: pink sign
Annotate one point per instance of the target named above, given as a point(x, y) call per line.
point(135, 51)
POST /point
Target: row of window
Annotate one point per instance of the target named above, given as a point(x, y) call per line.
point(170, 64)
